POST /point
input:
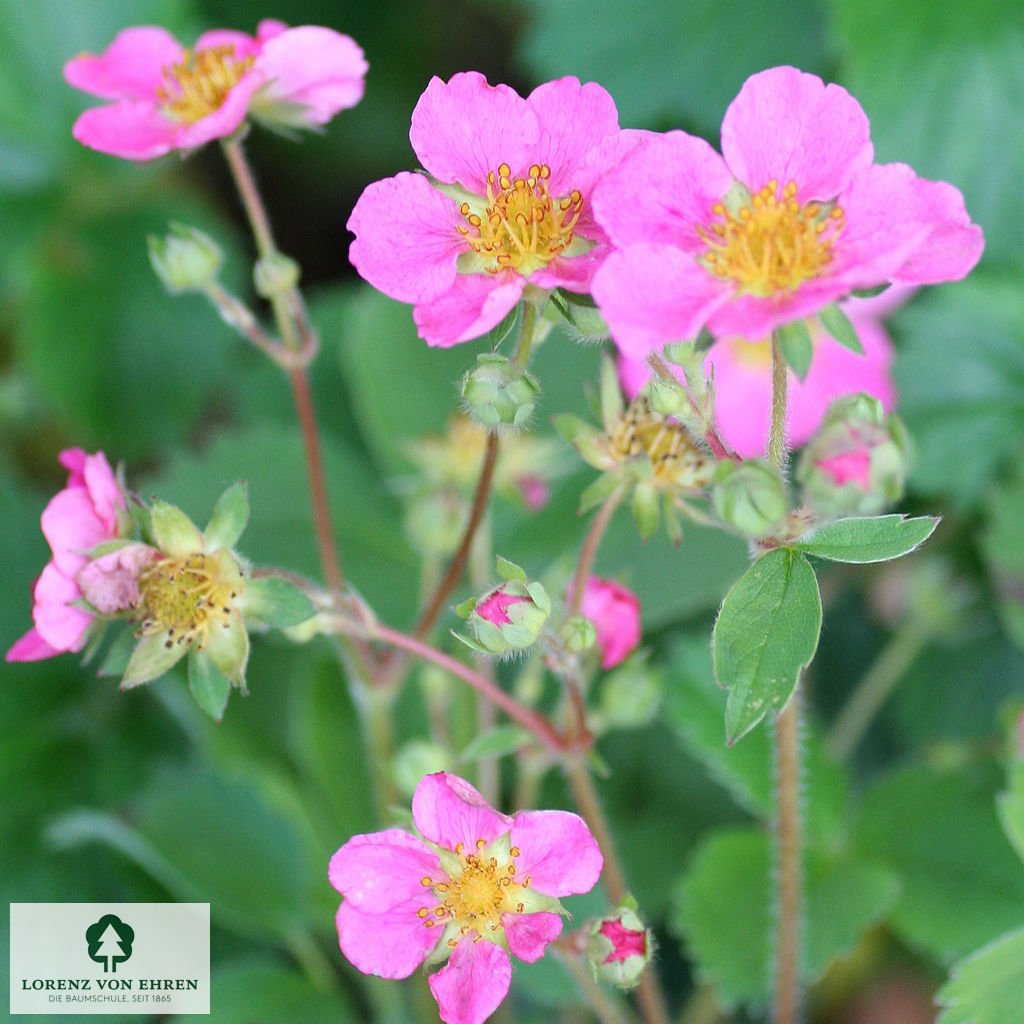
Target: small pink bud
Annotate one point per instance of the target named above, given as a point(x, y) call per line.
point(615, 612)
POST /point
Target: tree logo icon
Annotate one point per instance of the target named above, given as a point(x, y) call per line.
point(110, 942)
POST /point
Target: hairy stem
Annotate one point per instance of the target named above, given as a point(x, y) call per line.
point(788, 825)
point(588, 552)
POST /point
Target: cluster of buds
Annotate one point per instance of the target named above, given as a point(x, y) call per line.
point(185, 592)
point(642, 451)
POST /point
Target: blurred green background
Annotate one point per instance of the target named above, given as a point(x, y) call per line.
point(138, 797)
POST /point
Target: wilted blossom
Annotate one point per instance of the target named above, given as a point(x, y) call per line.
point(505, 205)
point(166, 97)
point(87, 512)
point(743, 379)
point(473, 887)
point(615, 612)
point(793, 216)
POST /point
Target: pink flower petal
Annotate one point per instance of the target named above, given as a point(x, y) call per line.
point(615, 612)
point(464, 128)
point(318, 68)
point(61, 626)
point(751, 316)
point(406, 243)
point(573, 119)
point(131, 129)
point(448, 810)
point(661, 191)
point(557, 852)
point(110, 583)
point(390, 945)
point(104, 490)
point(574, 273)
point(74, 461)
point(241, 44)
point(790, 126)
point(225, 119)
point(131, 67)
point(381, 870)
point(472, 306)
point(474, 982)
point(71, 526)
point(529, 934)
point(31, 647)
point(652, 294)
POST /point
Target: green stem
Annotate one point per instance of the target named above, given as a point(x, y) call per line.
point(588, 552)
point(874, 689)
point(521, 358)
point(788, 825)
point(606, 1009)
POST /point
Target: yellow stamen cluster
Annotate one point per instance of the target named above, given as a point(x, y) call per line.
point(185, 598)
point(773, 244)
point(476, 900)
point(201, 82)
point(523, 227)
point(676, 459)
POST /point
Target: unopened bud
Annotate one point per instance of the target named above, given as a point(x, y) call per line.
point(578, 634)
point(435, 521)
point(629, 697)
point(186, 260)
point(749, 496)
point(620, 947)
point(857, 462)
point(498, 393)
point(275, 274)
point(507, 618)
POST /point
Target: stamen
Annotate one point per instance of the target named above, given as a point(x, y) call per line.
point(199, 85)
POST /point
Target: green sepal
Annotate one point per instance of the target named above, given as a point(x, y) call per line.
point(108, 546)
point(497, 742)
point(228, 645)
point(766, 633)
point(230, 515)
point(207, 684)
point(509, 570)
point(118, 654)
point(646, 510)
point(838, 325)
point(151, 658)
point(472, 644)
point(275, 602)
point(870, 293)
point(173, 532)
point(861, 539)
point(539, 596)
point(673, 524)
point(612, 407)
point(598, 492)
point(465, 608)
point(797, 348)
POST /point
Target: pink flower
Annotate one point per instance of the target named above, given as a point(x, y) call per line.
point(77, 518)
point(505, 202)
point(615, 612)
point(743, 387)
point(795, 217)
point(166, 97)
point(478, 886)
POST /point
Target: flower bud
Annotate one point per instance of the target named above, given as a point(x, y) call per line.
point(629, 697)
point(435, 521)
point(619, 946)
point(507, 618)
point(498, 393)
point(186, 260)
point(615, 612)
point(275, 274)
point(857, 462)
point(749, 496)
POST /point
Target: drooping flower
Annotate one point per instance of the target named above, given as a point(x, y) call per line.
point(615, 612)
point(743, 386)
point(87, 512)
point(166, 97)
point(793, 217)
point(505, 204)
point(476, 887)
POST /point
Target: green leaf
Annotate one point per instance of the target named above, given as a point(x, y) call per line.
point(208, 684)
point(766, 632)
point(174, 533)
point(797, 347)
point(275, 602)
point(1010, 806)
point(497, 742)
point(986, 987)
point(938, 829)
point(722, 907)
point(230, 515)
point(838, 325)
point(867, 538)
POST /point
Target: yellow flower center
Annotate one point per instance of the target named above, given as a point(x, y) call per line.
point(477, 898)
point(772, 244)
point(201, 82)
point(523, 226)
point(187, 597)
point(675, 458)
